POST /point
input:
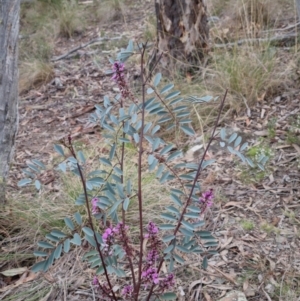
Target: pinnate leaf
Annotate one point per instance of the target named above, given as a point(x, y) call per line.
point(187, 130)
point(156, 79)
point(69, 223)
point(76, 239)
point(58, 233)
point(39, 266)
point(169, 217)
point(232, 138)
point(45, 245)
point(168, 296)
point(24, 182)
point(88, 231)
point(39, 163)
point(57, 251)
point(166, 149)
point(166, 227)
point(166, 88)
point(67, 245)
point(58, 148)
point(205, 263)
point(37, 184)
point(40, 254)
point(78, 218)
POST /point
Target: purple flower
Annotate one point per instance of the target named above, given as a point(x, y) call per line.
point(168, 282)
point(152, 256)
point(118, 69)
point(95, 208)
point(119, 228)
point(152, 228)
point(151, 275)
point(107, 235)
point(95, 281)
point(207, 198)
point(127, 290)
point(118, 77)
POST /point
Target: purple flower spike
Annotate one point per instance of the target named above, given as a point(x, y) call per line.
point(108, 233)
point(119, 78)
point(152, 256)
point(152, 228)
point(207, 199)
point(95, 208)
point(95, 281)
point(151, 275)
point(118, 69)
point(127, 291)
point(168, 282)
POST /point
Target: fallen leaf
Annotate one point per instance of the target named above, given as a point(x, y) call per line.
point(233, 204)
point(207, 296)
point(22, 280)
point(14, 272)
point(297, 148)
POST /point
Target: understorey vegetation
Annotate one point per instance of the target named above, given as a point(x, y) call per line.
point(107, 192)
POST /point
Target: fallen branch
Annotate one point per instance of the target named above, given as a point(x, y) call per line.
point(60, 57)
point(274, 41)
point(283, 29)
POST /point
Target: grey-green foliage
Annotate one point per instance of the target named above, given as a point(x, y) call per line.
point(114, 190)
point(233, 144)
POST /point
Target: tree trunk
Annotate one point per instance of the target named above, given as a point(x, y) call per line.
point(298, 9)
point(182, 33)
point(9, 32)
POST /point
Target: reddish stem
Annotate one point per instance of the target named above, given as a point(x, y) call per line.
point(91, 220)
point(194, 183)
point(140, 197)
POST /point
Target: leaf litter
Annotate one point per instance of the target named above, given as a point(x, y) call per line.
point(254, 260)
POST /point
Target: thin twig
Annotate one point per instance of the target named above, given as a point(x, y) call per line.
point(60, 57)
point(122, 181)
point(194, 184)
point(283, 29)
point(90, 218)
point(140, 197)
point(273, 40)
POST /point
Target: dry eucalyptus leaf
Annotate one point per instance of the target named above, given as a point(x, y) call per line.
point(14, 272)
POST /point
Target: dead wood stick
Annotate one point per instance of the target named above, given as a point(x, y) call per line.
point(282, 29)
point(275, 41)
point(60, 57)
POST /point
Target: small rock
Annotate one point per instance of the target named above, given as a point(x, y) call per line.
point(193, 153)
point(250, 292)
point(280, 239)
point(234, 296)
point(270, 288)
point(277, 99)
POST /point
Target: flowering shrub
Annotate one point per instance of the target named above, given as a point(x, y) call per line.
point(107, 193)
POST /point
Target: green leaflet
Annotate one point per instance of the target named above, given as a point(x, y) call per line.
point(168, 296)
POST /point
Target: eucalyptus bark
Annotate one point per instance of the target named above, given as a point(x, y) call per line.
point(182, 33)
point(9, 33)
point(298, 9)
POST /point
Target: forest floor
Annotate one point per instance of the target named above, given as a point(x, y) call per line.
point(256, 212)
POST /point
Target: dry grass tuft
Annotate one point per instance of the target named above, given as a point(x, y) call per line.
point(248, 72)
point(41, 23)
point(150, 30)
point(110, 10)
point(244, 18)
point(70, 18)
point(260, 13)
point(252, 72)
point(33, 74)
point(31, 216)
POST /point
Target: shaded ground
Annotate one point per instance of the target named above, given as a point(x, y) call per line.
point(256, 222)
